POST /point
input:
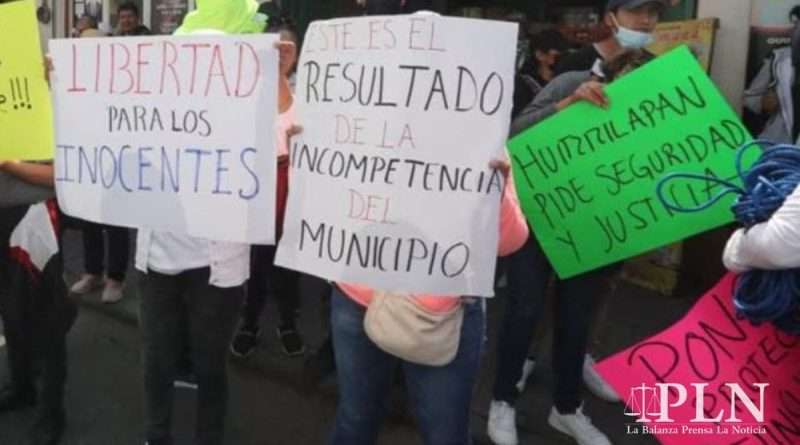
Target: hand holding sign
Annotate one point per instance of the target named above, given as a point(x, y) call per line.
point(591, 91)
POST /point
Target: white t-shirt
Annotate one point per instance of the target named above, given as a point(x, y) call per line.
point(172, 254)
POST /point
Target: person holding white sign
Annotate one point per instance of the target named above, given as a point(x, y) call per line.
point(184, 278)
point(436, 339)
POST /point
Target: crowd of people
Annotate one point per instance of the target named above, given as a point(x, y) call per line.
point(200, 300)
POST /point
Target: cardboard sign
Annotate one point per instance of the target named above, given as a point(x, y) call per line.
point(169, 133)
point(587, 176)
point(390, 181)
point(697, 34)
point(26, 116)
point(711, 365)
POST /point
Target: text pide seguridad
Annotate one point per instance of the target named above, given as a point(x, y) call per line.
point(587, 177)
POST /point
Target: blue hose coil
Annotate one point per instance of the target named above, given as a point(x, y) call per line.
point(762, 296)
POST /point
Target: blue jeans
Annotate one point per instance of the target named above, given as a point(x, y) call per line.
point(529, 273)
point(440, 396)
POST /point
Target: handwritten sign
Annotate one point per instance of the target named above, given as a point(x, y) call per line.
point(390, 182)
point(587, 176)
point(709, 366)
point(25, 110)
point(174, 134)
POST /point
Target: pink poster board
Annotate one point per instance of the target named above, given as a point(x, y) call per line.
point(711, 365)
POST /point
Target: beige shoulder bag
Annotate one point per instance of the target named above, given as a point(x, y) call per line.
point(401, 326)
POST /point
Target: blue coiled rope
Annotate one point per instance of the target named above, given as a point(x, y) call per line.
point(760, 295)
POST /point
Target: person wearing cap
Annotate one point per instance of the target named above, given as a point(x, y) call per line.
point(529, 274)
point(631, 24)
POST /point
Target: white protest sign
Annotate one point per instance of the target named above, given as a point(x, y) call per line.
point(168, 133)
point(390, 184)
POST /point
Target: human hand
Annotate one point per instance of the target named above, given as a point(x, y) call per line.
point(294, 130)
point(769, 103)
point(48, 67)
point(501, 165)
point(593, 92)
point(5, 165)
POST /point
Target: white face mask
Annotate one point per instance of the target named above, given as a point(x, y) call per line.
point(631, 39)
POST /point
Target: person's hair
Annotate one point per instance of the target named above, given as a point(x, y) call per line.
point(547, 40)
point(794, 14)
point(288, 31)
point(90, 20)
point(130, 7)
point(624, 63)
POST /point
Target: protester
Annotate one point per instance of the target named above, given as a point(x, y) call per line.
point(35, 311)
point(546, 47)
point(529, 273)
point(128, 23)
point(85, 24)
point(94, 245)
point(186, 280)
point(285, 283)
point(93, 253)
point(771, 245)
point(630, 23)
point(772, 92)
point(441, 395)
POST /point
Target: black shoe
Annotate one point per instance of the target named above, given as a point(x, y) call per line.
point(291, 341)
point(245, 342)
point(12, 399)
point(48, 428)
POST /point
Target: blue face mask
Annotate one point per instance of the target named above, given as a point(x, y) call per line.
point(632, 39)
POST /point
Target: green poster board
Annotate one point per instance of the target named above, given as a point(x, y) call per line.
point(587, 177)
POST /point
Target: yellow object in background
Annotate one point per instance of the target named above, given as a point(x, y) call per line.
point(26, 114)
point(697, 34)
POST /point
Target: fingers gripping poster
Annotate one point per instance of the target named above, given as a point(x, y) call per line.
point(390, 179)
point(168, 133)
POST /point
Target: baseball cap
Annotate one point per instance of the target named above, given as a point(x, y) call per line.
point(630, 4)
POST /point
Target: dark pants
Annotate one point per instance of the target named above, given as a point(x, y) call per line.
point(267, 278)
point(36, 316)
point(211, 313)
point(94, 251)
point(441, 396)
point(529, 273)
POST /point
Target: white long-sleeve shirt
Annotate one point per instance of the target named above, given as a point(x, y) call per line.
point(771, 245)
